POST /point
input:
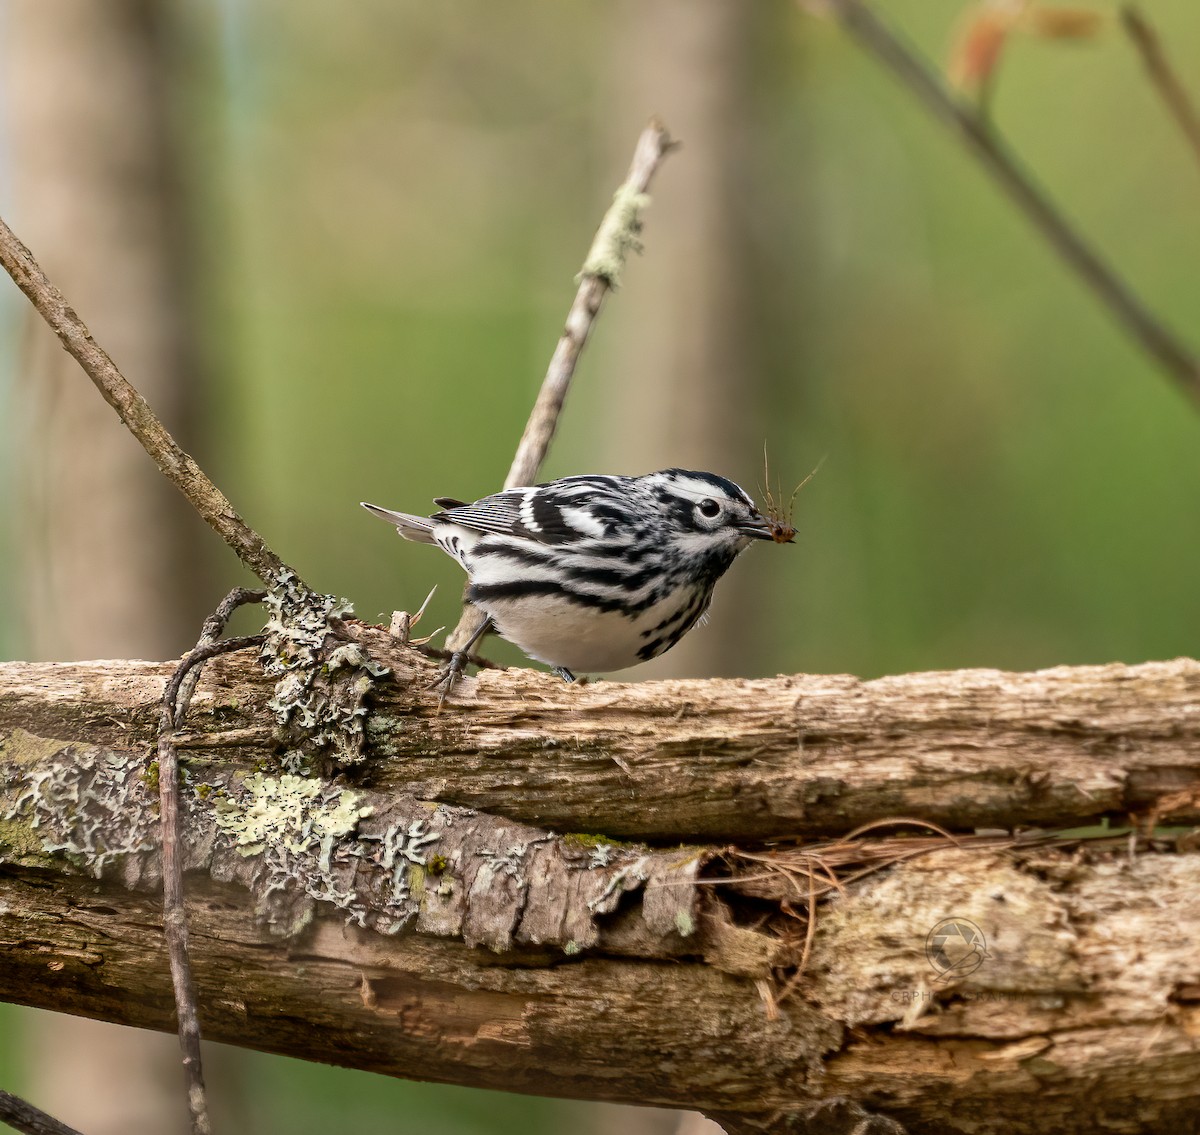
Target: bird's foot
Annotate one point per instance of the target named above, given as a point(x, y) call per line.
point(564, 673)
point(449, 674)
point(453, 670)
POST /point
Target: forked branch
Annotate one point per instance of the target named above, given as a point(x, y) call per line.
point(990, 150)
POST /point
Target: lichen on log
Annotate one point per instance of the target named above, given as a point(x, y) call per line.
point(387, 862)
point(799, 756)
point(385, 918)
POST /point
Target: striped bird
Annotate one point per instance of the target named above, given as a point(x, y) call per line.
point(595, 573)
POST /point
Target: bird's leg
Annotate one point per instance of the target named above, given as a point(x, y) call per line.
point(453, 670)
point(563, 673)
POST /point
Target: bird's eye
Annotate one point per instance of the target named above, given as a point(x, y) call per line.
point(709, 507)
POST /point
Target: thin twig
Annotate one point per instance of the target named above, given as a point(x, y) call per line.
point(601, 272)
point(212, 630)
point(616, 235)
point(1162, 75)
point(29, 1120)
point(176, 465)
point(176, 698)
point(1130, 313)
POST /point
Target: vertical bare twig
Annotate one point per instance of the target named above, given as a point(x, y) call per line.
point(601, 272)
point(964, 121)
point(141, 421)
point(176, 697)
point(617, 234)
point(1162, 74)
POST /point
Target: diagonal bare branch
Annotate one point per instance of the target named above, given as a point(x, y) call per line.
point(141, 421)
point(29, 1120)
point(980, 140)
point(1163, 76)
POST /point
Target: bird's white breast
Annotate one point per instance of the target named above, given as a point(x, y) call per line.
point(583, 639)
point(558, 630)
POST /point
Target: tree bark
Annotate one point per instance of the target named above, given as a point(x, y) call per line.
point(411, 917)
point(800, 756)
point(681, 355)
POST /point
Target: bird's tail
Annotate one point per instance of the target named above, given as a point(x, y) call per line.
point(417, 528)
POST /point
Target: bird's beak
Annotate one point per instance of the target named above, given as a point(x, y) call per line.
point(758, 528)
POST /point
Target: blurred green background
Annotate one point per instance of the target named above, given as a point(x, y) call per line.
point(384, 205)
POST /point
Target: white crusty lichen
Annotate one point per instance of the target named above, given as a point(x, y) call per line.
point(320, 689)
point(510, 861)
point(602, 855)
point(95, 806)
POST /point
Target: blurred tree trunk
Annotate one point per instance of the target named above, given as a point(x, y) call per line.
point(675, 377)
point(677, 381)
point(110, 563)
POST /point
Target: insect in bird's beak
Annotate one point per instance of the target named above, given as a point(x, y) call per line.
point(777, 523)
point(782, 532)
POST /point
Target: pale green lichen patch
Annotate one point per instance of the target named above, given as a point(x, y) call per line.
point(294, 813)
point(303, 842)
point(22, 747)
point(617, 236)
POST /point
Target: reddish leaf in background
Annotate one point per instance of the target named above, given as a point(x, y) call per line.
point(986, 30)
point(979, 45)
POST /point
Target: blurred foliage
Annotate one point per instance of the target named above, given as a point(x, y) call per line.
point(394, 201)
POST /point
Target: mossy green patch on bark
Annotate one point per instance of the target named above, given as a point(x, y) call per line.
point(24, 748)
point(21, 846)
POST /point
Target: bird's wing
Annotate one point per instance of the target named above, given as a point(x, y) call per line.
point(560, 512)
point(499, 513)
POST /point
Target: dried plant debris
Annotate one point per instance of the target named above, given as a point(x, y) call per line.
point(322, 682)
point(780, 891)
point(386, 863)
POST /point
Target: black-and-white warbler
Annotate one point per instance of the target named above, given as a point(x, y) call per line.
point(596, 573)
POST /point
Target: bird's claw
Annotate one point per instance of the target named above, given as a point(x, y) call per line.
point(448, 675)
